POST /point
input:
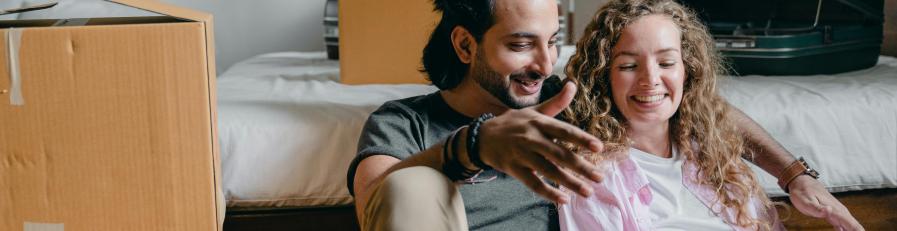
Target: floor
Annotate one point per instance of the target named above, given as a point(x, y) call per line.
point(875, 209)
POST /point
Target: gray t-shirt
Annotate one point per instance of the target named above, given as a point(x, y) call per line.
point(404, 127)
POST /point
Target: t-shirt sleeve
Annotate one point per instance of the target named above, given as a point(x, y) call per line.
point(392, 130)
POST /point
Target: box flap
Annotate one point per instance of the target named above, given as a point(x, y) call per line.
point(28, 8)
point(167, 9)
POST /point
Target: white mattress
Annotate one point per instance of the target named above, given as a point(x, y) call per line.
point(845, 125)
point(288, 132)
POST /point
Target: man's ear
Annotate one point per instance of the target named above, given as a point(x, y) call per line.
point(464, 44)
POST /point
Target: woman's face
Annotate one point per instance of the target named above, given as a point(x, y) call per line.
point(647, 73)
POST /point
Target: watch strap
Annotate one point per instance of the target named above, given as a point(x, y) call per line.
point(795, 169)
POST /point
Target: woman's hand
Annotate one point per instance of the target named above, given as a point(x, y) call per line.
point(811, 198)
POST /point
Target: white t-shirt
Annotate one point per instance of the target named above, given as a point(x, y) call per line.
point(673, 207)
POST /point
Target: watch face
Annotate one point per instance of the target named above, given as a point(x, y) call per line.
point(809, 171)
point(813, 173)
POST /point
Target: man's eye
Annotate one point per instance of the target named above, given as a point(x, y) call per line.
point(552, 42)
point(520, 46)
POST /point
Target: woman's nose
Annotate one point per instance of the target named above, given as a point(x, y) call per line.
point(649, 76)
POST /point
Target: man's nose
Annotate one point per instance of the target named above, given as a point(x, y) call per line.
point(542, 60)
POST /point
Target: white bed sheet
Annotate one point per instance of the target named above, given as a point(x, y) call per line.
point(287, 139)
point(845, 125)
point(288, 132)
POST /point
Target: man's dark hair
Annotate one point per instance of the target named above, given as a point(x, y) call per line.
point(442, 65)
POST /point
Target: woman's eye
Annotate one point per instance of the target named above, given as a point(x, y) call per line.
point(667, 64)
point(627, 67)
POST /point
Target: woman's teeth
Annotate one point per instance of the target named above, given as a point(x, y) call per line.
point(649, 98)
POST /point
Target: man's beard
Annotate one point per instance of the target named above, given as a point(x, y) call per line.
point(497, 86)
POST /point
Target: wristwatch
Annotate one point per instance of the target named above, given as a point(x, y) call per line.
point(795, 169)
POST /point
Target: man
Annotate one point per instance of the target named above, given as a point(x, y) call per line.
point(493, 56)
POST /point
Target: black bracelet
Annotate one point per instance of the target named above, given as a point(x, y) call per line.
point(466, 173)
point(448, 167)
point(451, 166)
point(473, 147)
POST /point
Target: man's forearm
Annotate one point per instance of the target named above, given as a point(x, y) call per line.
point(763, 150)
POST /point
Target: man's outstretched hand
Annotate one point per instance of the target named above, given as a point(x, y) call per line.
point(522, 143)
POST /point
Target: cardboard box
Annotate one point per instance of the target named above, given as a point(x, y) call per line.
point(383, 41)
point(115, 127)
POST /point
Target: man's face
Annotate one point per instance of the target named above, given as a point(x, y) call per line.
point(518, 52)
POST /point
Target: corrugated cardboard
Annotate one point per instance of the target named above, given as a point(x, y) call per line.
point(117, 129)
point(383, 41)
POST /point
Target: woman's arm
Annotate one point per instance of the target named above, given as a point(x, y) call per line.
point(807, 194)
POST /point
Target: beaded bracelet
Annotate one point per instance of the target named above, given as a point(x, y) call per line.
point(473, 147)
point(451, 166)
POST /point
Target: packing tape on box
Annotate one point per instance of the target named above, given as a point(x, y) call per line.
point(13, 41)
point(32, 226)
point(72, 22)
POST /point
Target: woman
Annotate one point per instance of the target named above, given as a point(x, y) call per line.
point(647, 72)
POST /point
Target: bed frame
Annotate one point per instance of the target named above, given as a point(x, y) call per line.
point(317, 218)
point(875, 209)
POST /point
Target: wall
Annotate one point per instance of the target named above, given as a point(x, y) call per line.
point(585, 9)
point(247, 28)
point(9, 4)
point(889, 46)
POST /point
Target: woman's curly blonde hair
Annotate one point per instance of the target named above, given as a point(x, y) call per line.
point(701, 119)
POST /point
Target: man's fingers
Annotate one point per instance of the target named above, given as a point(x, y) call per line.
point(567, 132)
point(560, 176)
point(533, 182)
point(559, 102)
point(564, 158)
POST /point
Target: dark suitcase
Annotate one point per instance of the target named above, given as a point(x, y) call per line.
point(331, 29)
point(794, 37)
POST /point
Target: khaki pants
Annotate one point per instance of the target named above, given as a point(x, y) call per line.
point(416, 198)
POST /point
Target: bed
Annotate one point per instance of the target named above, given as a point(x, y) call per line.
point(288, 131)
